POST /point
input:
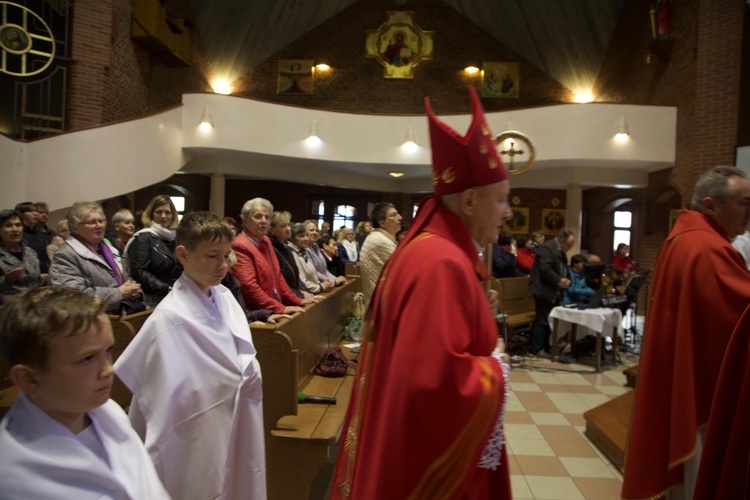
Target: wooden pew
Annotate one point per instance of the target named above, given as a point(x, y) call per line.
point(299, 437)
point(516, 300)
point(351, 270)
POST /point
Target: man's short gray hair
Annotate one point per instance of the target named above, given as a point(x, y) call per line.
point(250, 205)
point(714, 184)
point(80, 210)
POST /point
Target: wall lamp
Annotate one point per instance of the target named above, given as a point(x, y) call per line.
point(207, 120)
point(622, 133)
point(313, 135)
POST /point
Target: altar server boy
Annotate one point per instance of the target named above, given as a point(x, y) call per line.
point(64, 438)
point(196, 382)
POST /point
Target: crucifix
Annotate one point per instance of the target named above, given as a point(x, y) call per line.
point(512, 152)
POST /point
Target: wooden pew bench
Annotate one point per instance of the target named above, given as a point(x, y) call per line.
point(516, 300)
point(299, 436)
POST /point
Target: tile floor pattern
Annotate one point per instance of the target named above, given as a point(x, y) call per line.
point(550, 458)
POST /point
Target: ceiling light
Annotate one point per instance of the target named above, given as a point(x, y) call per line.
point(622, 133)
point(583, 97)
point(396, 174)
point(471, 70)
point(207, 120)
point(222, 86)
point(322, 67)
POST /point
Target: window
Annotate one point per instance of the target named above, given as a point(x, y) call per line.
point(345, 215)
point(622, 223)
point(179, 205)
point(319, 208)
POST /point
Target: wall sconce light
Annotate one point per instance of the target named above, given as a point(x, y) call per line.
point(322, 67)
point(396, 174)
point(583, 97)
point(410, 143)
point(313, 136)
point(207, 120)
point(622, 133)
point(221, 86)
point(471, 70)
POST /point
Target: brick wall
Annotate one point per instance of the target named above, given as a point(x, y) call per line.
point(357, 84)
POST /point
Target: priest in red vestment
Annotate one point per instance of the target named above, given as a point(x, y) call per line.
point(700, 289)
point(425, 417)
point(725, 462)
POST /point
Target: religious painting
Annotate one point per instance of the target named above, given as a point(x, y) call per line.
point(295, 76)
point(500, 79)
point(519, 224)
point(399, 44)
point(14, 39)
point(673, 217)
point(553, 221)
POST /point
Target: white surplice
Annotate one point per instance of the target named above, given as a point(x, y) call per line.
point(198, 396)
point(41, 458)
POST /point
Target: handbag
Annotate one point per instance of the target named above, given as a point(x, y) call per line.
point(132, 307)
point(333, 364)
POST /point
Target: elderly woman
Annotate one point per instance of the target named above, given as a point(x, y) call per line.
point(150, 253)
point(279, 234)
point(257, 268)
point(63, 231)
point(299, 243)
point(87, 264)
point(315, 253)
point(363, 229)
point(332, 253)
point(19, 264)
point(347, 246)
point(123, 224)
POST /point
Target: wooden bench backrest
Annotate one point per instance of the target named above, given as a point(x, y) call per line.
point(124, 329)
point(514, 293)
point(351, 270)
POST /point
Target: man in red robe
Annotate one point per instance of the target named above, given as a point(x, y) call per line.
point(425, 416)
point(725, 462)
point(700, 289)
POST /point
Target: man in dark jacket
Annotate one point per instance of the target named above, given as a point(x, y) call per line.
point(33, 238)
point(549, 277)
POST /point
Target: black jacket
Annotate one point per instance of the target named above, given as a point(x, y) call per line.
point(550, 266)
point(35, 240)
point(153, 263)
point(288, 266)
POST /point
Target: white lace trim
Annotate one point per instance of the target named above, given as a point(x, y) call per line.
point(492, 455)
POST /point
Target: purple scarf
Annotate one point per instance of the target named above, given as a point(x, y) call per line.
point(106, 254)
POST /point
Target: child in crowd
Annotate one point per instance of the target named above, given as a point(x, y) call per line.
point(196, 383)
point(64, 438)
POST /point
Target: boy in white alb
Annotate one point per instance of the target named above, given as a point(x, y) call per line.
point(196, 383)
point(64, 438)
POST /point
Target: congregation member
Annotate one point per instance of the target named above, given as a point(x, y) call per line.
point(724, 471)
point(63, 231)
point(123, 228)
point(325, 227)
point(363, 229)
point(504, 257)
point(63, 437)
point(257, 268)
point(150, 252)
point(316, 255)
point(42, 214)
point(279, 234)
point(347, 246)
point(299, 244)
point(742, 244)
point(700, 289)
point(525, 254)
point(379, 245)
point(578, 292)
point(32, 236)
point(537, 239)
point(547, 283)
point(19, 264)
point(87, 264)
point(394, 442)
point(195, 378)
point(332, 254)
point(622, 262)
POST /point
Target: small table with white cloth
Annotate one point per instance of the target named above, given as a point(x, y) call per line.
point(603, 321)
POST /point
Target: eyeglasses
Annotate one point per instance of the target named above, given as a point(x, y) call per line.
point(95, 222)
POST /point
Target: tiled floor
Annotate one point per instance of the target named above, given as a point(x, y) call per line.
point(549, 456)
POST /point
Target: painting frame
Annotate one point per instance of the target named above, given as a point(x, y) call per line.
point(399, 44)
point(500, 80)
point(519, 223)
point(553, 221)
point(295, 77)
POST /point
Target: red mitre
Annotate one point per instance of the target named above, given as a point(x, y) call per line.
point(460, 163)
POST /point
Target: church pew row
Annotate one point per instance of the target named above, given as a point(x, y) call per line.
point(516, 300)
point(299, 437)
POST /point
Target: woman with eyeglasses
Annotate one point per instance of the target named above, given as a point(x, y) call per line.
point(19, 264)
point(149, 255)
point(88, 264)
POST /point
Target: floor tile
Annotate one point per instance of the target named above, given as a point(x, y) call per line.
point(593, 400)
point(575, 419)
point(566, 432)
point(599, 379)
point(616, 376)
point(521, 376)
point(587, 467)
point(541, 407)
point(548, 418)
point(527, 397)
point(534, 447)
point(599, 488)
point(513, 466)
point(519, 387)
point(584, 389)
point(572, 407)
point(613, 390)
point(523, 431)
point(557, 488)
point(578, 448)
point(563, 397)
point(519, 488)
point(545, 378)
point(514, 405)
point(559, 387)
point(518, 417)
point(541, 466)
point(573, 379)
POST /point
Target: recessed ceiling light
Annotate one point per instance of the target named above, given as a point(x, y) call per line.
point(396, 174)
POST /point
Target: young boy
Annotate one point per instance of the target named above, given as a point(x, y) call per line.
point(63, 437)
point(197, 388)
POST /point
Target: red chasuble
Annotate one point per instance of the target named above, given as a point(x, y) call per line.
point(699, 291)
point(725, 461)
point(428, 394)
